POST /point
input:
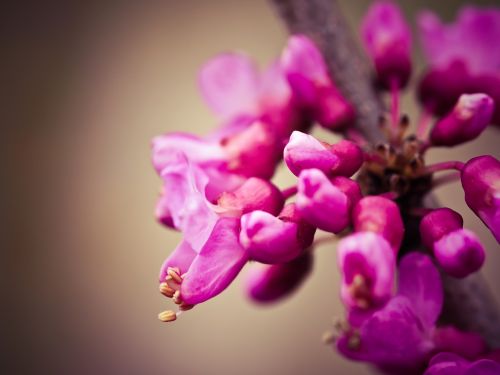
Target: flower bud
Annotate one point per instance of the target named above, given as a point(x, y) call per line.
point(270, 239)
point(311, 84)
point(269, 283)
point(481, 183)
point(387, 40)
point(367, 263)
point(438, 223)
point(326, 203)
point(254, 194)
point(303, 151)
point(253, 152)
point(466, 121)
point(379, 215)
point(460, 253)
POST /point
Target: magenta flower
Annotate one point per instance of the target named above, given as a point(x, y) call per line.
point(463, 57)
point(465, 122)
point(326, 203)
point(452, 364)
point(271, 283)
point(232, 86)
point(379, 215)
point(367, 263)
point(458, 251)
point(313, 89)
point(303, 151)
point(398, 337)
point(481, 183)
point(192, 277)
point(270, 239)
point(387, 39)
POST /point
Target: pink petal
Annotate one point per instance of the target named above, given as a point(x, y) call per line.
point(269, 239)
point(182, 257)
point(419, 280)
point(270, 283)
point(192, 213)
point(217, 264)
point(229, 84)
point(321, 203)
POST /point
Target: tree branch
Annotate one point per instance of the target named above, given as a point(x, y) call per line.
point(469, 303)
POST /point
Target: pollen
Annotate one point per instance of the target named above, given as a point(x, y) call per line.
point(167, 316)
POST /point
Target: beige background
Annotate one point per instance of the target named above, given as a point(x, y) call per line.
point(88, 86)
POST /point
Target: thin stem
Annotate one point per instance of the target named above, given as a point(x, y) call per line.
point(395, 99)
point(444, 166)
point(289, 192)
point(423, 124)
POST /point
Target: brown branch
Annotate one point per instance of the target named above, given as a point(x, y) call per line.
point(469, 303)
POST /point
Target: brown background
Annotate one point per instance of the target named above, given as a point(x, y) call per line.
point(86, 87)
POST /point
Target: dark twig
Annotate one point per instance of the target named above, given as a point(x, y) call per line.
point(469, 303)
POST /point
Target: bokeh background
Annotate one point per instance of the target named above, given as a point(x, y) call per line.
point(86, 86)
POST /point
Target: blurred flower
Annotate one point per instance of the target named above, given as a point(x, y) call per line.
point(449, 363)
point(463, 57)
point(313, 89)
point(387, 39)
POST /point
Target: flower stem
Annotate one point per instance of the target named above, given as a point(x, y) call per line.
point(444, 166)
point(423, 124)
point(395, 99)
point(289, 192)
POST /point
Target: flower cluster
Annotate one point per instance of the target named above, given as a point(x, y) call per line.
point(217, 189)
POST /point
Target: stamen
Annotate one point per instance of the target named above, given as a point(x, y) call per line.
point(354, 341)
point(167, 316)
point(329, 337)
point(177, 297)
point(166, 290)
point(174, 274)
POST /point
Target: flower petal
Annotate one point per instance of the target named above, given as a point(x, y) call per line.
point(217, 264)
point(229, 84)
point(420, 282)
point(182, 257)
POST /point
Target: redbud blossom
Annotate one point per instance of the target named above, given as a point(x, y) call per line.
point(466, 121)
point(270, 239)
point(463, 57)
point(303, 151)
point(326, 203)
point(367, 264)
point(253, 194)
point(451, 364)
point(379, 215)
point(387, 40)
point(481, 183)
point(312, 87)
point(270, 283)
point(458, 251)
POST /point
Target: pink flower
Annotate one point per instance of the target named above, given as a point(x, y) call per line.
point(398, 337)
point(458, 251)
point(271, 283)
point(270, 239)
point(379, 215)
point(313, 89)
point(465, 122)
point(463, 57)
point(326, 203)
point(303, 151)
point(387, 40)
point(367, 263)
point(452, 364)
point(201, 275)
point(232, 86)
point(481, 183)
point(253, 194)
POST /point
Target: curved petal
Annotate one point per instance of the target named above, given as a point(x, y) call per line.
point(182, 257)
point(217, 264)
point(420, 282)
point(229, 84)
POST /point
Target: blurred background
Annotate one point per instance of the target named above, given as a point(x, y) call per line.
point(87, 85)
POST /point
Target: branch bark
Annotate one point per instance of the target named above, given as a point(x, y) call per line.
point(469, 303)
